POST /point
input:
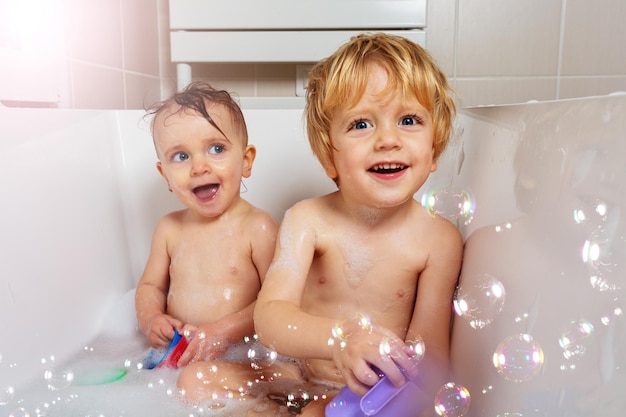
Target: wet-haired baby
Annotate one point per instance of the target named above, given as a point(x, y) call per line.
point(208, 260)
point(379, 113)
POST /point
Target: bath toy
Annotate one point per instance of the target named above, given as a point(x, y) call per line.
point(98, 376)
point(171, 355)
point(382, 400)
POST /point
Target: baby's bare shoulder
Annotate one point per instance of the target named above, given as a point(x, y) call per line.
point(171, 221)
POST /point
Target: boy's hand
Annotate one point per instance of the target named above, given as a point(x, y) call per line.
point(161, 330)
point(358, 349)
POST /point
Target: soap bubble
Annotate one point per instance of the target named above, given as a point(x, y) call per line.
point(417, 347)
point(574, 338)
point(452, 400)
point(518, 358)
point(6, 395)
point(297, 400)
point(19, 412)
point(346, 325)
point(451, 202)
point(260, 356)
point(219, 399)
point(479, 299)
point(58, 379)
point(592, 212)
point(604, 255)
point(608, 318)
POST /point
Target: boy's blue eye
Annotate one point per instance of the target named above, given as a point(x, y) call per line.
point(216, 149)
point(409, 121)
point(361, 124)
point(180, 157)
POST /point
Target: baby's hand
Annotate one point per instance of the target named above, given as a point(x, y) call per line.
point(161, 330)
point(203, 345)
point(357, 349)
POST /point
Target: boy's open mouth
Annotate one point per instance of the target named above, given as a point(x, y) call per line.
point(206, 191)
point(387, 168)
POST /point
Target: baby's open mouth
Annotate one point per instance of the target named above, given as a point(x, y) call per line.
point(206, 191)
point(387, 168)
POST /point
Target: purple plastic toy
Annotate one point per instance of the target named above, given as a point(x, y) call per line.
point(382, 400)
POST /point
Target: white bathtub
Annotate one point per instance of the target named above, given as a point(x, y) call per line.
point(81, 196)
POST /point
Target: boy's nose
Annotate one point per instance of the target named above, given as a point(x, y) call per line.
point(387, 138)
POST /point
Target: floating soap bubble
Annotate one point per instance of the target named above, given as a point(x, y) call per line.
point(592, 212)
point(451, 202)
point(19, 412)
point(479, 299)
point(417, 347)
point(297, 400)
point(605, 257)
point(6, 395)
point(259, 355)
point(574, 338)
point(346, 325)
point(58, 379)
point(609, 318)
point(219, 399)
point(518, 358)
point(452, 400)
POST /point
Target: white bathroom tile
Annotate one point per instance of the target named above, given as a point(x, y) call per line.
point(141, 91)
point(571, 87)
point(141, 37)
point(487, 91)
point(96, 87)
point(508, 37)
point(594, 38)
point(95, 31)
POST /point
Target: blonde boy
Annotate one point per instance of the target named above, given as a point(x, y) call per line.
point(378, 116)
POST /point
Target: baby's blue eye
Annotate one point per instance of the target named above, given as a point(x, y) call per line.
point(180, 157)
point(216, 149)
point(361, 124)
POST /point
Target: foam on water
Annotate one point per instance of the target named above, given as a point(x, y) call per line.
point(106, 378)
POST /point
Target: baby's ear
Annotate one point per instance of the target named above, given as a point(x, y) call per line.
point(248, 159)
point(159, 168)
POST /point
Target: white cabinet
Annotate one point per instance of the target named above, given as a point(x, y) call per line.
point(281, 30)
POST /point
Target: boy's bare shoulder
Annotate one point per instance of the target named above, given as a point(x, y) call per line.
point(308, 209)
point(444, 229)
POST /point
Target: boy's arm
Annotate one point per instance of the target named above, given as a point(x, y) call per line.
point(151, 293)
point(432, 314)
point(278, 318)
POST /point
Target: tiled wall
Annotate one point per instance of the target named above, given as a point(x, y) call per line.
point(494, 51)
point(503, 51)
point(113, 48)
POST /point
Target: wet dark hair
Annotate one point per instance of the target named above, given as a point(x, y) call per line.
point(195, 97)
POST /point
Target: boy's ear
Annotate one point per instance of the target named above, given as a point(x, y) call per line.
point(433, 166)
point(331, 172)
point(160, 169)
point(248, 159)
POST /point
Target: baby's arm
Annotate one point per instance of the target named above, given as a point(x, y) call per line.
point(151, 294)
point(432, 313)
point(216, 337)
